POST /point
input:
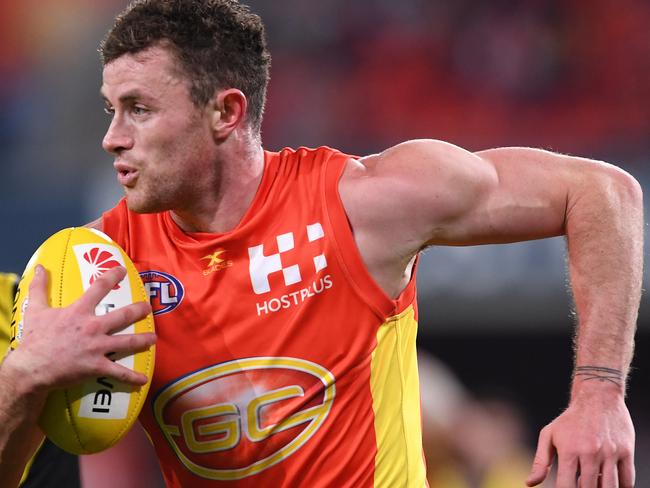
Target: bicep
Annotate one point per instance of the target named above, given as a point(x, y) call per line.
point(433, 193)
point(536, 193)
point(527, 200)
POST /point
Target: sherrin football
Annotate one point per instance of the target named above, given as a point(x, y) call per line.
point(94, 415)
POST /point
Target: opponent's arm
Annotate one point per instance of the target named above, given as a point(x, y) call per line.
point(60, 347)
point(432, 193)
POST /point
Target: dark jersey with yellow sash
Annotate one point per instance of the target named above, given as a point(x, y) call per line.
point(50, 467)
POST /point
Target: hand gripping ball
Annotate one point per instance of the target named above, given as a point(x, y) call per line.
point(92, 416)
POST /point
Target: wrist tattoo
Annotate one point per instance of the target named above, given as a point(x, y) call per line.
point(600, 373)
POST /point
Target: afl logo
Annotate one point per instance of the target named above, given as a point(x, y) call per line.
point(165, 291)
point(238, 418)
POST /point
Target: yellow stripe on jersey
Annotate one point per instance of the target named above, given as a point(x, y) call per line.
point(7, 285)
point(396, 403)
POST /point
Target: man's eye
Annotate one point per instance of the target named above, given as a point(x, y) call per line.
point(137, 110)
point(109, 111)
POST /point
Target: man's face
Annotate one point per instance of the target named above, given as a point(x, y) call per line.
point(162, 143)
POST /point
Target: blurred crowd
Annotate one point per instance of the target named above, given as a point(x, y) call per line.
point(572, 75)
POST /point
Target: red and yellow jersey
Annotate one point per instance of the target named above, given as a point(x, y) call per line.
point(279, 361)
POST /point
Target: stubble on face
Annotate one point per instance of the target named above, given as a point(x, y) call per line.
point(172, 149)
point(171, 173)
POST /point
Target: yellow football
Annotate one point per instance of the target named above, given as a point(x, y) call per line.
point(94, 415)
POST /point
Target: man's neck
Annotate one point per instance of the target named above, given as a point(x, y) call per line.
point(223, 209)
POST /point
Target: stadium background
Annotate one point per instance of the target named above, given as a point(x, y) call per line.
point(567, 75)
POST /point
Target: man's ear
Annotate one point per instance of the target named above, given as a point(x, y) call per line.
point(228, 111)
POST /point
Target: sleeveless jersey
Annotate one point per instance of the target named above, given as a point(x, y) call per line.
point(279, 361)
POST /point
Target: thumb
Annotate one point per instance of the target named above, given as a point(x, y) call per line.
point(38, 288)
point(543, 459)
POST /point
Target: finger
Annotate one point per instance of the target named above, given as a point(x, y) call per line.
point(131, 343)
point(543, 459)
point(101, 287)
point(609, 475)
point(589, 474)
point(626, 472)
point(122, 317)
point(123, 374)
point(38, 288)
point(567, 469)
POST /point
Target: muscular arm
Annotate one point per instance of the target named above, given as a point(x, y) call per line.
point(599, 209)
point(603, 222)
point(425, 193)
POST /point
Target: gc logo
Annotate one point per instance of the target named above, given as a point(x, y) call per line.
point(238, 418)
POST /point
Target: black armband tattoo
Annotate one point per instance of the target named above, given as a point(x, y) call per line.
point(599, 373)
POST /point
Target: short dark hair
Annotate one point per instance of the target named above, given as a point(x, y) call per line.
point(219, 43)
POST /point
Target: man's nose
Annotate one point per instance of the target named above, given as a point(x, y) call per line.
point(117, 138)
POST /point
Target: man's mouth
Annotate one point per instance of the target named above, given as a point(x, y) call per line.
point(126, 175)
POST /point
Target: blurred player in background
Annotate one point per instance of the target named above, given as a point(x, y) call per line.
point(469, 442)
point(284, 282)
point(50, 466)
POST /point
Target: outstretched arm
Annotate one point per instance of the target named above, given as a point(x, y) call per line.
point(431, 193)
point(603, 223)
point(60, 347)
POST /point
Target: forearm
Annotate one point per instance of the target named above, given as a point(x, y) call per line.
point(600, 210)
point(604, 229)
point(20, 435)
